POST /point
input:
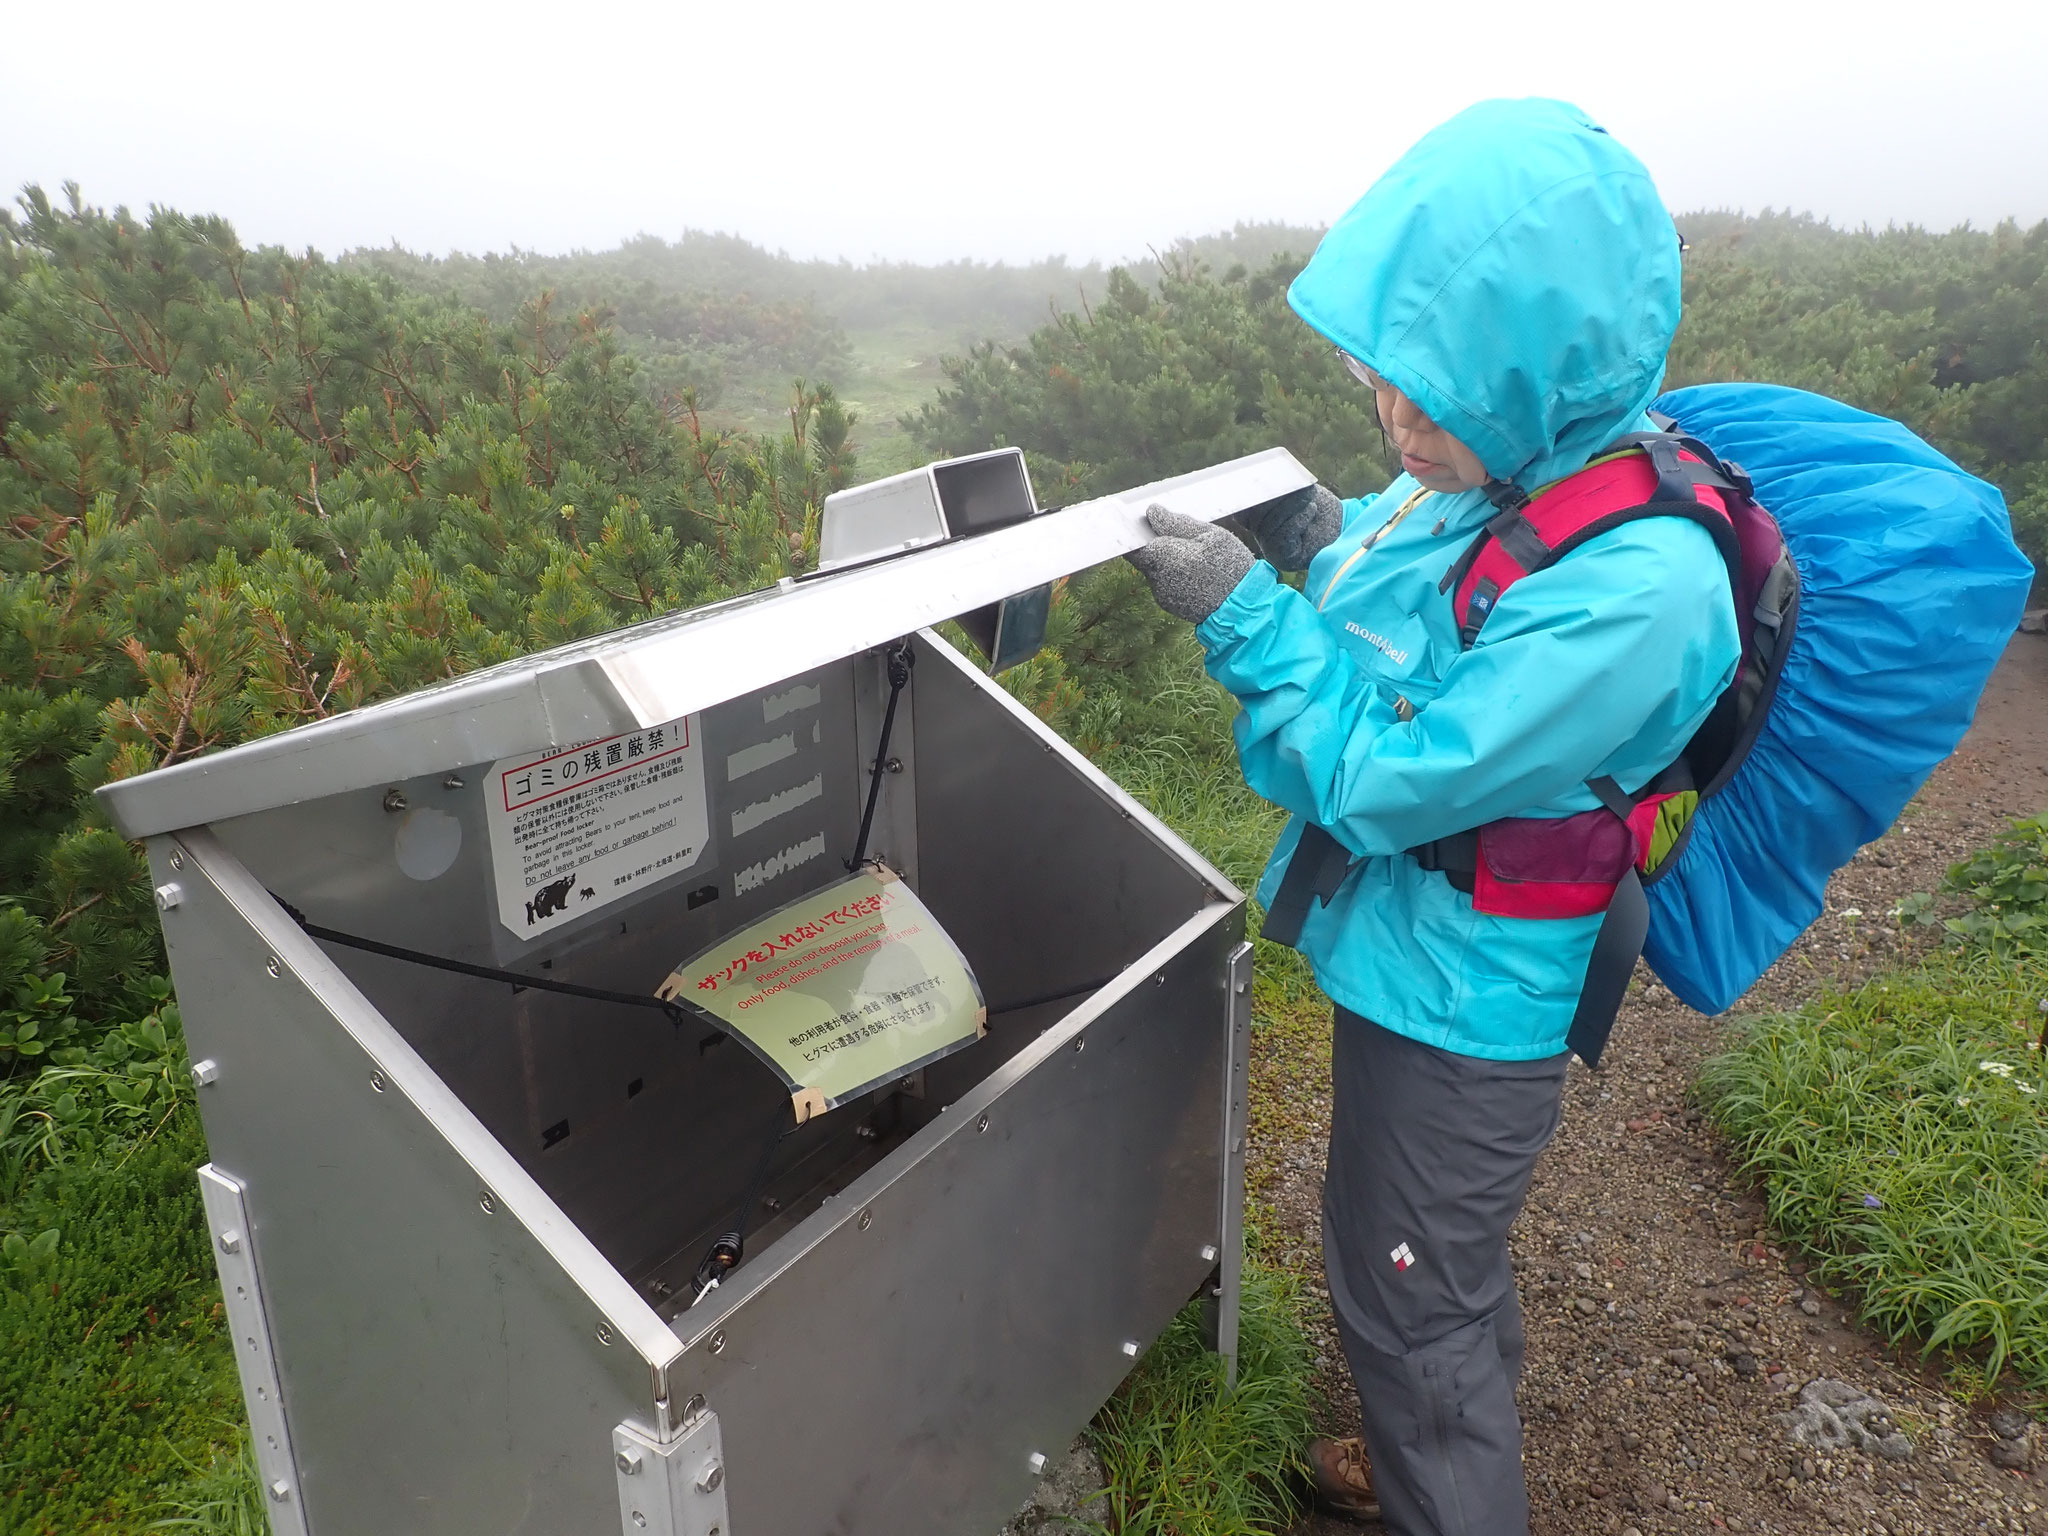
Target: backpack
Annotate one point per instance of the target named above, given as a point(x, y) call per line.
point(1875, 584)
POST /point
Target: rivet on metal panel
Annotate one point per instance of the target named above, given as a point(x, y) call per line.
point(718, 1342)
point(453, 781)
point(605, 1334)
point(168, 896)
point(280, 1490)
point(177, 858)
point(867, 1219)
point(1208, 1253)
point(394, 800)
point(378, 1082)
point(709, 1479)
point(981, 1124)
point(205, 1072)
point(1131, 1348)
point(273, 965)
point(486, 1202)
point(231, 1241)
point(629, 1462)
point(1038, 1461)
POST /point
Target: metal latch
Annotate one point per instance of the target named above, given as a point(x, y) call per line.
point(673, 1489)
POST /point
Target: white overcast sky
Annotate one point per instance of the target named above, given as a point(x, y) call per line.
point(885, 128)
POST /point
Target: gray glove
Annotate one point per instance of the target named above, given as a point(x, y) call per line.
point(1300, 525)
point(1192, 565)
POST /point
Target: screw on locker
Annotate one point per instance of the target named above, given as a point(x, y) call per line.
point(168, 896)
point(867, 1219)
point(629, 1462)
point(1038, 1461)
point(273, 965)
point(177, 858)
point(981, 1124)
point(394, 800)
point(718, 1342)
point(605, 1334)
point(486, 1202)
point(205, 1073)
point(378, 1082)
point(1131, 1348)
point(280, 1490)
point(709, 1479)
point(231, 1241)
point(1208, 1253)
point(453, 781)
point(693, 1407)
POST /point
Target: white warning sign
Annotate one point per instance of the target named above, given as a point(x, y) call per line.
point(575, 828)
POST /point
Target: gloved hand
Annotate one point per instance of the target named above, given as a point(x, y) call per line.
point(1192, 565)
point(1296, 528)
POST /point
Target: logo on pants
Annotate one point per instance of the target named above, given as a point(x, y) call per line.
point(1403, 1256)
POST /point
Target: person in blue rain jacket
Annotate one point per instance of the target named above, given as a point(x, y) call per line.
point(1508, 291)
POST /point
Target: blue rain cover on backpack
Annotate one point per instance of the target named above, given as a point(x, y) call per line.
point(1909, 588)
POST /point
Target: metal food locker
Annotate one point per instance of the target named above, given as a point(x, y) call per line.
point(457, 1220)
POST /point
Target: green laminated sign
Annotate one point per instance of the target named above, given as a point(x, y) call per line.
point(840, 991)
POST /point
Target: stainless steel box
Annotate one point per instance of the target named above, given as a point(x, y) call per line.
point(455, 1220)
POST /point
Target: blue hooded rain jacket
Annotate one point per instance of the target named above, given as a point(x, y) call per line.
point(1517, 277)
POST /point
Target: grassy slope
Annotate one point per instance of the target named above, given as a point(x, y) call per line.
point(1901, 1129)
point(115, 1369)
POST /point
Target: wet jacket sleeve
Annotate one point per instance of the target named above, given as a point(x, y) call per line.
point(1633, 633)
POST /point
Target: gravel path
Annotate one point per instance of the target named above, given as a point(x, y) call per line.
point(1667, 1323)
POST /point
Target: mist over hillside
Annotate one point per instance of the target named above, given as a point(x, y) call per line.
point(732, 323)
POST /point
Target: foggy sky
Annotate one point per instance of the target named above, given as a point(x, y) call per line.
point(931, 131)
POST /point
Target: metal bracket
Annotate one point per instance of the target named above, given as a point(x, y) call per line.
point(672, 1489)
point(1236, 1126)
point(234, 1253)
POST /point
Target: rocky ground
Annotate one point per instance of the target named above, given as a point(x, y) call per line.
point(1668, 1326)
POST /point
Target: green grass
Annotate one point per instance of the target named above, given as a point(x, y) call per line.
point(1183, 1457)
point(115, 1373)
point(1901, 1133)
point(222, 1498)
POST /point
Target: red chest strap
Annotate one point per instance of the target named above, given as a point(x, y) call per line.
point(1654, 476)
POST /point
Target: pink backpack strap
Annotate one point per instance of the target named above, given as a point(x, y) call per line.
point(1654, 476)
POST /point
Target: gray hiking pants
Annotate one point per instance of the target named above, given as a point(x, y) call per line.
point(1430, 1158)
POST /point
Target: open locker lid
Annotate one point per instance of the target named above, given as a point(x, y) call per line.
point(650, 676)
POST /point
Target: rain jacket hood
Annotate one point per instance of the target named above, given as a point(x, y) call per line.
point(1516, 275)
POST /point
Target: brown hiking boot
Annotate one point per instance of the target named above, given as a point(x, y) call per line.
point(1343, 1479)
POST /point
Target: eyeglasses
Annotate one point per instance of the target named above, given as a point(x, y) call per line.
point(1360, 372)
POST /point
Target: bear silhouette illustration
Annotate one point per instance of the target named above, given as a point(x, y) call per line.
point(549, 899)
